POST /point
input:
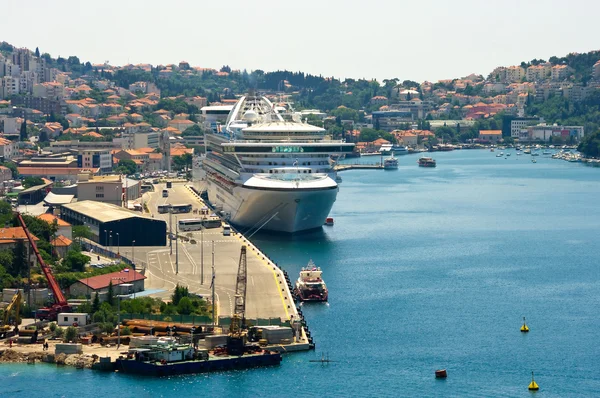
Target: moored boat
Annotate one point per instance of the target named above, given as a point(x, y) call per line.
point(177, 359)
point(310, 285)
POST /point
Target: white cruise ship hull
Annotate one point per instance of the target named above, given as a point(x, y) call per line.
point(285, 210)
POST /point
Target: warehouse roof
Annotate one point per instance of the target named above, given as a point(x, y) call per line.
point(54, 199)
point(35, 188)
point(103, 212)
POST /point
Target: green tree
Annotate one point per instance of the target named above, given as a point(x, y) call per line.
point(126, 166)
point(185, 306)
point(183, 161)
point(29, 182)
point(23, 133)
point(110, 295)
point(179, 293)
point(44, 136)
point(96, 303)
point(75, 260)
point(6, 213)
point(70, 334)
point(82, 231)
point(37, 52)
point(20, 264)
point(590, 145)
point(193, 131)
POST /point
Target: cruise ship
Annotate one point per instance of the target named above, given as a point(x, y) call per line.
point(266, 169)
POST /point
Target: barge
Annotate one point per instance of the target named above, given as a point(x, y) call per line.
point(178, 359)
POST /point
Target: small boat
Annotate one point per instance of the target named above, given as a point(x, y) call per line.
point(535, 154)
point(390, 163)
point(499, 155)
point(441, 374)
point(527, 151)
point(426, 162)
point(491, 149)
point(329, 221)
point(533, 161)
point(507, 154)
point(546, 153)
point(519, 153)
point(324, 359)
point(310, 285)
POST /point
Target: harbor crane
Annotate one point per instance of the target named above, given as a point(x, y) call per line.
point(236, 340)
point(60, 302)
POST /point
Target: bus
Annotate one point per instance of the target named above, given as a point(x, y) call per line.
point(212, 222)
point(191, 224)
point(175, 209)
point(181, 208)
point(163, 208)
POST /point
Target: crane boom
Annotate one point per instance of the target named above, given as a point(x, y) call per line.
point(240, 287)
point(59, 298)
point(239, 312)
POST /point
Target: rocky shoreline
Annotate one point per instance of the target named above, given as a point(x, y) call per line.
point(75, 360)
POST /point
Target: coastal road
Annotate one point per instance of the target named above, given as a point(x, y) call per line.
point(190, 265)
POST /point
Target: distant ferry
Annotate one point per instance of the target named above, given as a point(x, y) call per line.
point(426, 162)
point(390, 163)
point(266, 171)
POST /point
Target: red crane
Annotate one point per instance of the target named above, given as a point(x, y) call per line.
point(60, 303)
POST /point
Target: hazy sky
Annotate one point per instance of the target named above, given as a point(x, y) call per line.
point(417, 40)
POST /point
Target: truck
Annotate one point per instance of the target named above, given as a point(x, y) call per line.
point(60, 302)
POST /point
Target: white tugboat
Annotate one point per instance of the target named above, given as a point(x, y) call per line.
point(310, 285)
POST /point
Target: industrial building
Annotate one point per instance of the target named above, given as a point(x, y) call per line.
point(113, 189)
point(126, 281)
point(116, 226)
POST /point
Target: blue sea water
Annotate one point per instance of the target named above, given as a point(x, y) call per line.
point(427, 269)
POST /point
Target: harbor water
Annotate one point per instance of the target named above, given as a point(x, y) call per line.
point(427, 268)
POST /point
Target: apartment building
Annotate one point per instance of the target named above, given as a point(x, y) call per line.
point(8, 149)
point(518, 124)
point(560, 72)
point(95, 158)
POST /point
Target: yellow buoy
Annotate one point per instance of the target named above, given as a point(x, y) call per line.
point(533, 385)
point(524, 328)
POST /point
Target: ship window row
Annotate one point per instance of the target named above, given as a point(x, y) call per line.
point(287, 149)
point(265, 156)
point(286, 164)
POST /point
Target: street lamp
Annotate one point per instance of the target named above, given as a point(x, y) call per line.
point(133, 254)
point(118, 245)
point(118, 296)
point(109, 240)
point(105, 238)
